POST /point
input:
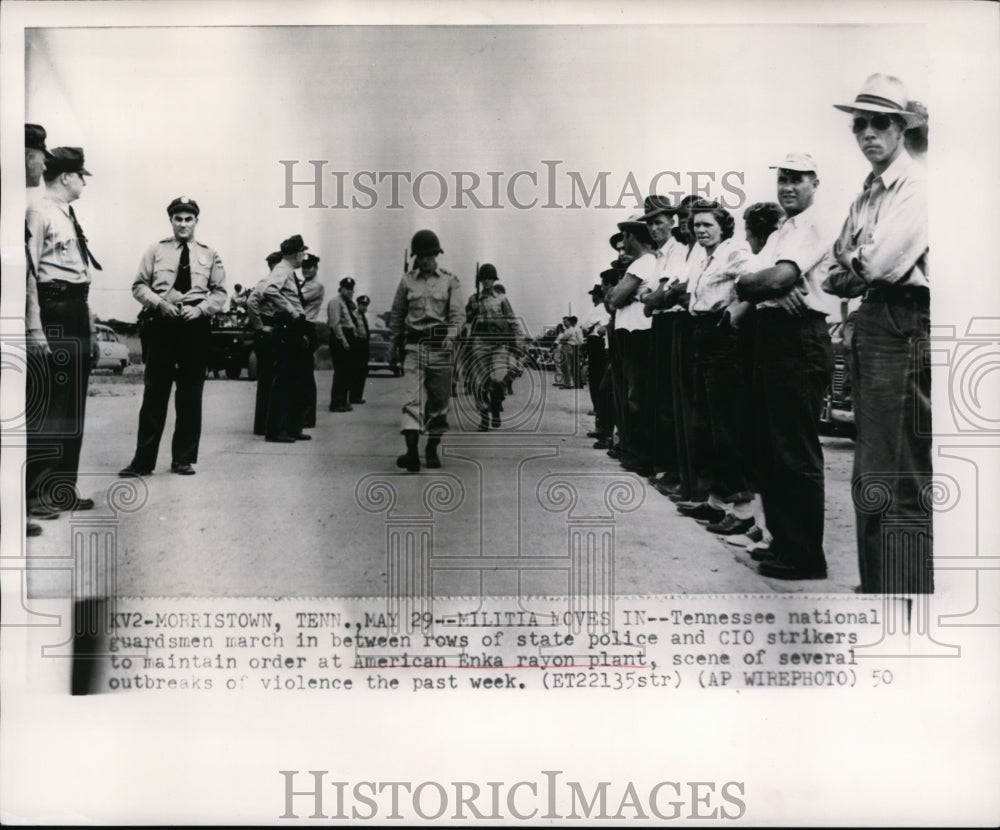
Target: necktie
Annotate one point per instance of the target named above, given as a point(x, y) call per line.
point(183, 282)
point(81, 240)
point(298, 288)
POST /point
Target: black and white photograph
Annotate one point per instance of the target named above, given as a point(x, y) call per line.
point(366, 346)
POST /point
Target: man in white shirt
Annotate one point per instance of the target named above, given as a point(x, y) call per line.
point(793, 360)
point(626, 299)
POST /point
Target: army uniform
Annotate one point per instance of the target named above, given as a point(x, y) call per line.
point(491, 327)
point(427, 312)
point(343, 328)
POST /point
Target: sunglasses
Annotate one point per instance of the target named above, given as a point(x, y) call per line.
point(879, 122)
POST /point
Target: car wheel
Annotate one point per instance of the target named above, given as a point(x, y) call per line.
point(252, 366)
point(233, 371)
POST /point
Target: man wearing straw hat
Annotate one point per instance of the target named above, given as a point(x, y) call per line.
point(881, 255)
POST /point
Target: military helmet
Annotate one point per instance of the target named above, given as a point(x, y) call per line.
point(425, 242)
point(486, 271)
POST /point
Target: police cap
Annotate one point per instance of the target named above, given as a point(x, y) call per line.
point(65, 160)
point(183, 204)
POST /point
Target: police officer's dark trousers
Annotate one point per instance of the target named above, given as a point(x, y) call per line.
point(343, 368)
point(359, 375)
point(284, 410)
point(264, 349)
point(176, 356)
point(56, 395)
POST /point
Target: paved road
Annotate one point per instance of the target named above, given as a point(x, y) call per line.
point(319, 518)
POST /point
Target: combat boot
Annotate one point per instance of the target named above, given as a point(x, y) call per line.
point(410, 460)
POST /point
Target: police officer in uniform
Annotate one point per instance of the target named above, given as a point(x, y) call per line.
point(362, 347)
point(427, 312)
point(263, 347)
point(282, 301)
point(343, 326)
point(183, 282)
point(58, 329)
point(312, 295)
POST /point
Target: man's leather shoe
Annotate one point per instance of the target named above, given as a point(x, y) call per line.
point(32, 529)
point(759, 553)
point(730, 525)
point(593, 434)
point(615, 452)
point(133, 472)
point(776, 569)
point(361, 401)
point(601, 445)
point(632, 467)
point(409, 462)
point(302, 437)
point(81, 504)
point(45, 513)
point(182, 468)
point(702, 511)
point(280, 439)
point(340, 409)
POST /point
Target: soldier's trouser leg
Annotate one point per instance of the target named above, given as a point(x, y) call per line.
point(159, 377)
point(428, 371)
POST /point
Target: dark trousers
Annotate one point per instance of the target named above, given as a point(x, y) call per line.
point(637, 448)
point(176, 355)
point(56, 400)
point(793, 363)
point(616, 355)
point(360, 349)
point(682, 359)
point(892, 455)
point(264, 349)
point(343, 369)
point(597, 363)
point(284, 407)
point(661, 397)
point(309, 378)
point(722, 416)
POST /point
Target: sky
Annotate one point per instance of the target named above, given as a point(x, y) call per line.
point(212, 112)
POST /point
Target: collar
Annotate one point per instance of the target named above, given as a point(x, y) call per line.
point(58, 201)
point(800, 219)
point(177, 242)
point(900, 167)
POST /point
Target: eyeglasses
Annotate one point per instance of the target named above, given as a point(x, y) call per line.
point(879, 122)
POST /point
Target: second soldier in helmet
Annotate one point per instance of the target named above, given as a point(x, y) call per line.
point(491, 325)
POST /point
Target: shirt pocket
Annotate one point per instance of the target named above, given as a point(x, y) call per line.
point(68, 253)
point(201, 270)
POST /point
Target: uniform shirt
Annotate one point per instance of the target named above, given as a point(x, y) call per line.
point(280, 292)
point(884, 239)
point(313, 293)
point(363, 332)
point(52, 242)
point(632, 316)
point(713, 286)
point(254, 301)
point(798, 240)
point(424, 301)
point(489, 312)
point(158, 270)
point(340, 317)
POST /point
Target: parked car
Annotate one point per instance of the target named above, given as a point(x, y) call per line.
point(382, 353)
point(837, 415)
point(107, 351)
point(231, 346)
